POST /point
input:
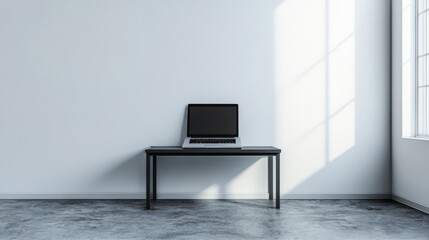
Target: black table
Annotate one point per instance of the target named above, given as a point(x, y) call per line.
point(244, 151)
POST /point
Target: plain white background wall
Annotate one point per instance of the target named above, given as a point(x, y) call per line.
point(85, 86)
point(410, 156)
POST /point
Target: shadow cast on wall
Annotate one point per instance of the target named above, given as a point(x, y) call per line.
point(131, 170)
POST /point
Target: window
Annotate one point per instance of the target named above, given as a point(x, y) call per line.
point(422, 68)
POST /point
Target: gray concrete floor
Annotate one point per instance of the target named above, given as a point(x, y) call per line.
point(210, 219)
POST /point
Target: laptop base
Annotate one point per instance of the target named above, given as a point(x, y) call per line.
point(187, 144)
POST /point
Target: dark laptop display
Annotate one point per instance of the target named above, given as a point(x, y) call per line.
point(213, 120)
point(213, 126)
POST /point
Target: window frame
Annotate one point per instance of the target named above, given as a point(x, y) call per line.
point(421, 58)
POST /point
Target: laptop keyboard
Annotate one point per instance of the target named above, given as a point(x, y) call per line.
point(212, 140)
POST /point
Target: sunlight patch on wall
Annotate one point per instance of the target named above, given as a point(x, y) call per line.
point(299, 67)
point(341, 77)
point(300, 87)
point(315, 84)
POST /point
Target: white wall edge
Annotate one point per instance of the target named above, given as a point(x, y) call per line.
point(134, 196)
point(74, 196)
point(410, 203)
point(191, 196)
point(336, 196)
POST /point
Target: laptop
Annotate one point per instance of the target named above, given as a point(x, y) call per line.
point(212, 126)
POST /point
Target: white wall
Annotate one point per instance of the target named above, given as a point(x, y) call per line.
point(85, 86)
point(410, 156)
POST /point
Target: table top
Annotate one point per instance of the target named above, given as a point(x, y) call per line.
point(245, 150)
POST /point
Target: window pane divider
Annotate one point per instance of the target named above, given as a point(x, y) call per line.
point(416, 67)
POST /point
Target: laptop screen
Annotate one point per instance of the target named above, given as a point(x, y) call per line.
point(213, 120)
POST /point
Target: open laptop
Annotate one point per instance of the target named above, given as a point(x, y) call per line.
point(212, 126)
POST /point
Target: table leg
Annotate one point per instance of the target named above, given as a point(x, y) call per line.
point(154, 177)
point(270, 177)
point(277, 180)
point(147, 181)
